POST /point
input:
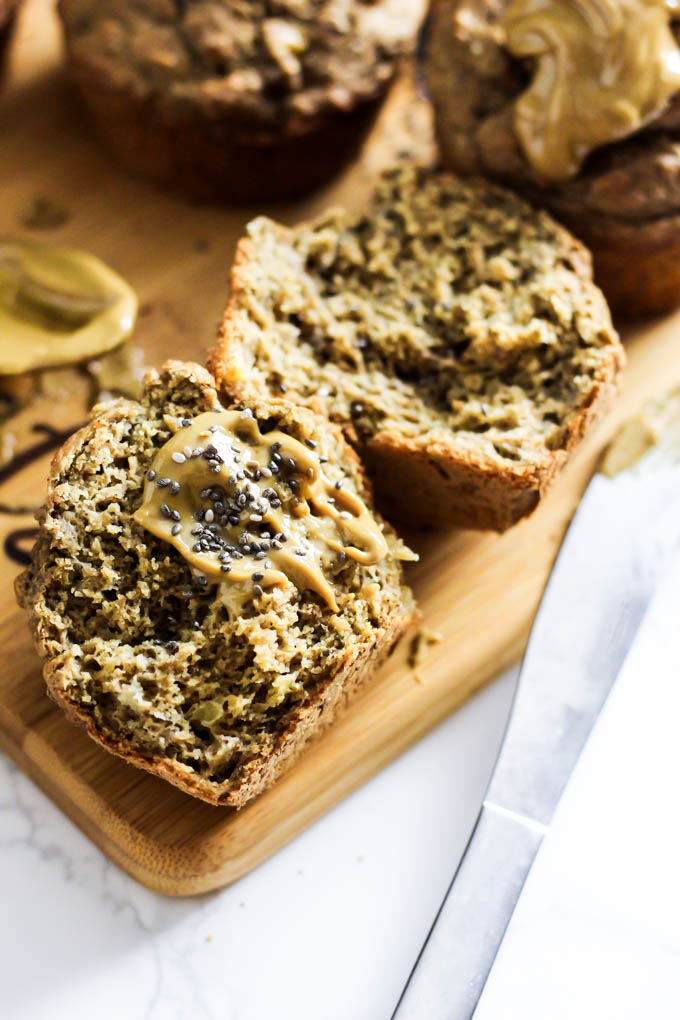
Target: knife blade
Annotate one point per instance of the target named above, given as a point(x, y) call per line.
point(605, 574)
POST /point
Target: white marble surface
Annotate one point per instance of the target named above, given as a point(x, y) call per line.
point(329, 928)
point(596, 933)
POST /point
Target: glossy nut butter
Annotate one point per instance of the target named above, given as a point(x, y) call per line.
point(600, 70)
point(58, 306)
point(254, 509)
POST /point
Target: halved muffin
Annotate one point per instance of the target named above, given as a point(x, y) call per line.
point(209, 586)
point(454, 332)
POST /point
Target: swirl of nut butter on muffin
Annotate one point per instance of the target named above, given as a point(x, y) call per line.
point(601, 70)
point(254, 509)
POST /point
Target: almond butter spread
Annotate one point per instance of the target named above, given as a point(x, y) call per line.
point(253, 509)
point(58, 306)
point(602, 70)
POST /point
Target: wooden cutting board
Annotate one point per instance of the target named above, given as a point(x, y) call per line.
point(478, 591)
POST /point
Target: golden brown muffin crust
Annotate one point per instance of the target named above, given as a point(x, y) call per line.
point(272, 67)
point(233, 100)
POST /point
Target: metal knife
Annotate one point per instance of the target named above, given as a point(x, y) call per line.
point(622, 534)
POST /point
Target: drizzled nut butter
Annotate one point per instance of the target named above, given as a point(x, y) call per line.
point(600, 70)
point(254, 509)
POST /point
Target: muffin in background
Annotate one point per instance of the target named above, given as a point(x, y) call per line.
point(604, 156)
point(231, 100)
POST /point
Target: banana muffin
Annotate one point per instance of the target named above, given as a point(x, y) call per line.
point(209, 586)
point(453, 330)
point(577, 106)
point(236, 100)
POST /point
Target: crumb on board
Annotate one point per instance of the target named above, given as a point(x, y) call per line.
point(420, 642)
point(119, 372)
point(42, 213)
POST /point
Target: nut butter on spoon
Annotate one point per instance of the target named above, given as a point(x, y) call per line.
point(58, 306)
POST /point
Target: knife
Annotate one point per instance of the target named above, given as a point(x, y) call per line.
point(607, 569)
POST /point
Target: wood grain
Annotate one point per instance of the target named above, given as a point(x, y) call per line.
point(478, 591)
